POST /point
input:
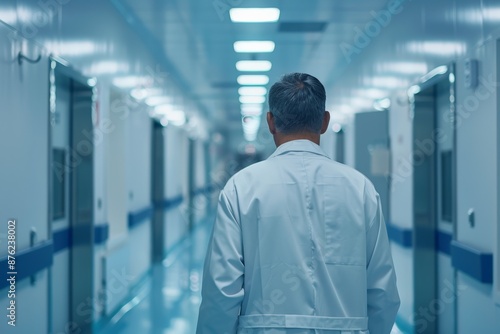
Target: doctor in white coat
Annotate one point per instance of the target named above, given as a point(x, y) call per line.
point(299, 244)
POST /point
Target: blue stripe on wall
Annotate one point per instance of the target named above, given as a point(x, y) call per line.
point(170, 203)
point(401, 236)
point(101, 233)
point(475, 263)
point(62, 239)
point(203, 191)
point(140, 216)
point(443, 242)
point(28, 262)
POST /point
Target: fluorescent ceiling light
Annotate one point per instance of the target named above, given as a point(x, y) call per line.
point(251, 109)
point(252, 99)
point(107, 67)
point(173, 116)
point(92, 82)
point(361, 103)
point(9, 16)
point(251, 113)
point(164, 122)
point(373, 93)
point(250, 149)
point(163, 109)
point(75, 48)
point(250, 137)
point(254, 80)
point(252, 91)
point(382, 104)
point(437, 48)
point(451, 77)
point(251, 126)
point(256, 106)
point(177, 117)
point(130, 81)
point(413, 90)
point(254, 46)
point(336, 127)
point(491, 14)
point(385, 82)
point(344, 109)
point(404, 67)
point(254, 14)
point(142, 93)
point(254, 65)
point(437, 71)
point(154, 101)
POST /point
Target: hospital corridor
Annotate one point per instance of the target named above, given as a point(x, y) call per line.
point(249, 167)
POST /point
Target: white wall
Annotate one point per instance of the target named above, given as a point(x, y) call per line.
point(60, 132)
point(138, 161)
point(176, 167)
point(477, 171)
point(24, 189)
point(327, 142)
point(200, 201)
point(116, 202)
point(121, 157)
point(401, 197)
point(477, 174)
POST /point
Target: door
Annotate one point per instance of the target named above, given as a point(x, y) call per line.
point(60, 202)
point(71, 112)
point(158, 191)
point(434, 204)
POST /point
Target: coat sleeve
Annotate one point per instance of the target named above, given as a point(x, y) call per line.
point(382, 293)
point(222, 288)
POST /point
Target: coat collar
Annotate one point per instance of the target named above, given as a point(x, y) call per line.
point(300, 145)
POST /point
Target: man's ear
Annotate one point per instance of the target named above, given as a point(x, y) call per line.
point(326, 121)
point(270, 123)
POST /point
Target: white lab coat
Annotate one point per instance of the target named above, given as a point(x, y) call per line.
point(299, 245)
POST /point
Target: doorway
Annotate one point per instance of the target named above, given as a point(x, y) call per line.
point(72, 107)
point(434, 201)
point(158, 191)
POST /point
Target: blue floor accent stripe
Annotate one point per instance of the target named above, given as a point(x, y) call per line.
point(140, 216)
point(27, 262)
point(401, 236)
point(474, 262)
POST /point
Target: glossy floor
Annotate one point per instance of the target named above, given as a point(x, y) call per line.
point(167, 302)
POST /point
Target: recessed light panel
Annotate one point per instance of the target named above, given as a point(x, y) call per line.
point(254, 80)
point(254, 46)
point(154, 101)
point(254, 66)
point(252, 99)
point(254, 15)
point(252, 91)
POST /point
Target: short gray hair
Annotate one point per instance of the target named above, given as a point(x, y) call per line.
point(297, 103)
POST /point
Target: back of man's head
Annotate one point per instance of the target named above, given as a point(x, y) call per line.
point(297, 103)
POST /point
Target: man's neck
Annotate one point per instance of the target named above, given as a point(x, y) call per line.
point(280, 139)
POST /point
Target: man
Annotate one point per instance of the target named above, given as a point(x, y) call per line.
point(299, 244)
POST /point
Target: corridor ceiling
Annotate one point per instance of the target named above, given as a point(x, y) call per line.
point(363, 51)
